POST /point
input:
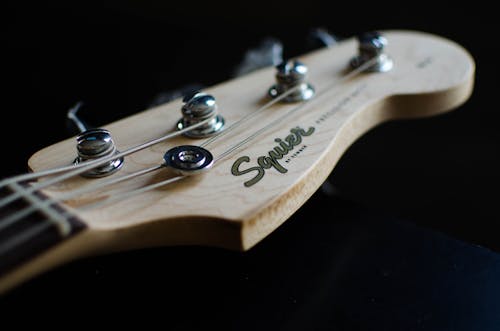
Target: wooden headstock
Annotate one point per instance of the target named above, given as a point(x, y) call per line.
point(241, 200)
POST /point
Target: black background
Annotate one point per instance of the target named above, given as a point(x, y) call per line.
point(402, 185)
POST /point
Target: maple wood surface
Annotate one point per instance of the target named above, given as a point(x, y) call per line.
point(430, 75)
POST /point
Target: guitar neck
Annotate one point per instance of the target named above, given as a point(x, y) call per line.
point(28, 238)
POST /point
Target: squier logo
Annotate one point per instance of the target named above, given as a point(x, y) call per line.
point(271, 160)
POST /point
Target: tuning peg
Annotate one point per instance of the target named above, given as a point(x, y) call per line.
point(292, 74)
point(372, 45)
point(93, 144)
point(199, 106)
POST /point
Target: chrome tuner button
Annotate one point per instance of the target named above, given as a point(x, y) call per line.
point(188, 160)
point(199, 107)
point(292, 75)
point(371, 45)
point(93, 144)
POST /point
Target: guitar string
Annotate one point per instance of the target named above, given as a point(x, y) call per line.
point(11, 219)
point(52, 216)
point(352, 74)
point(30, 233)
point(102, 161)
point(74, 170)
point(78, 169)
point(126, 195)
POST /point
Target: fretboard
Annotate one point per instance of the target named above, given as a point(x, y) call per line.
point(32, 234)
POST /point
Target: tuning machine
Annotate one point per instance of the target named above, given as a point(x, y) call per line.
point(92, 144)
point(199, 107)
point(372, 45)
point(291, 75)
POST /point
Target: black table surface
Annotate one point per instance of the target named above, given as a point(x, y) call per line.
point(409, 240)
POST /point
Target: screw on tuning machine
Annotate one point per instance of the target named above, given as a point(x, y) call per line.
point(93, 144)
point(292, 75)
point(371, 45)
point(199, 107)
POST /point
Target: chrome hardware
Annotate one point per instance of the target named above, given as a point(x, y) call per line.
point(292, 75)
point(93, 144)
point(198, 107)
point(188, 160)
point(371, 45)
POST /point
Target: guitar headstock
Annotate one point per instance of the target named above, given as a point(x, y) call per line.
point(273, 161)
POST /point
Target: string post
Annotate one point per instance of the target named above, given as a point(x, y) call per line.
point(198, 107)
point(94, 144)
point(372, 45)
point(291, 76)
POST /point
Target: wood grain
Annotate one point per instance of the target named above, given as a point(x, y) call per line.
point(430, 75)
point(410, 89)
